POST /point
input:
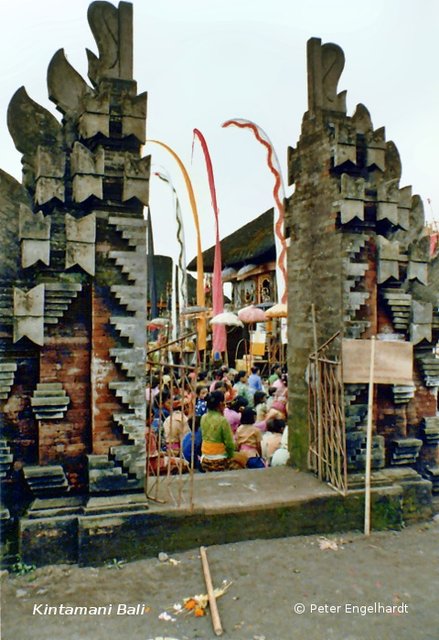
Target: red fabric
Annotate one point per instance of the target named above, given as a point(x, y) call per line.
point(219, 331)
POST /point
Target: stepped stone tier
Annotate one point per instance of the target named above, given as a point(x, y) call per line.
point(359, 252)
point(72, 282)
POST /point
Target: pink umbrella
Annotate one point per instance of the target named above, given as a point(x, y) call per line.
point(251, 314)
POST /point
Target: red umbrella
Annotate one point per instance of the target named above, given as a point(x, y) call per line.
point(251, 314)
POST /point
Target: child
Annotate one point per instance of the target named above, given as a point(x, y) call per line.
point(200, 401)
point(248, 440)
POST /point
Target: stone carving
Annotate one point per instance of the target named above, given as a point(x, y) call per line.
point(419, 253)
point(29, 314)
point(96, 117)
point(112, 30)
point(388, 257)
point(352, 204)
point(34, 232)
point(49, 174)
point(67, 88)
point(388, 198)
point(362, 120)
point(393, 167)
point(376, 150)
point(80, 242)
point(87, 169)
point(134, 116)
point(49, 401)
point(136, 179)
point(30, 126)
point(422, 318)
point(325, 65)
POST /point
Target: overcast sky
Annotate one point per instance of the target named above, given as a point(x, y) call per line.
point(205, 61)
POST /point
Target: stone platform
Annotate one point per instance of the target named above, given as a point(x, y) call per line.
point(225, 507)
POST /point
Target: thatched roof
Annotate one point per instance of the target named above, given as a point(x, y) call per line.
point(252, 243)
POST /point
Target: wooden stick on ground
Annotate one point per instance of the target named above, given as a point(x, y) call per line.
point(216, 621)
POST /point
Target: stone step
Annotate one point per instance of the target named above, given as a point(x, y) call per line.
point(48, 480)
point(125, 223)
point(108, 478)
point(405, 451)
point(130, 328)
point(131, 297)
point(132, 458)
point(129, 392)
point(132, 263)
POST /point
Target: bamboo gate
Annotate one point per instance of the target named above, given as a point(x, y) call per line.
point(327, 437)
point(168, 476)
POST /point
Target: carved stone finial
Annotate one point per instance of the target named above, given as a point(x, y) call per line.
point(30, 124)
point(112, 29)
point(361, 119)
point(325, 65)
point(393, 162)
point(66, 86)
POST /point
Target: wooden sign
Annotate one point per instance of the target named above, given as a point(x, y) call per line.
point(393, 362)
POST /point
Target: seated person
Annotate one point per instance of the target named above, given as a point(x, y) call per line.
point(282, 455)
point(248, 440)
point(271, 440)
point(218, 447)
point(186, 446)
point(260, 405)
point(278, 409)
point(233, 412)
point(175, 428)
point(200, 400)
point(158, 463)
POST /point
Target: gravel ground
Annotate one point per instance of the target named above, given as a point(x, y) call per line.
point(393, 577)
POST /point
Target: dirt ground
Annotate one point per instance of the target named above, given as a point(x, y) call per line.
point(393, 577)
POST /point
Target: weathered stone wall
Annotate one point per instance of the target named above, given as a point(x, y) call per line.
point(314, 268)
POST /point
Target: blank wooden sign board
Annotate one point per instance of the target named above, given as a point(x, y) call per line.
point(393, 362)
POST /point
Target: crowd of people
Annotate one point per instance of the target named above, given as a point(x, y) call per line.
point(216, 420)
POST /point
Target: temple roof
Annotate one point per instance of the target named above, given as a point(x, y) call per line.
point(253, 243)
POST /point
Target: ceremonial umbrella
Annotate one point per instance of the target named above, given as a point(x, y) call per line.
point(157, 323)
point(279, 310)
point(227, 318)
point(251, 314)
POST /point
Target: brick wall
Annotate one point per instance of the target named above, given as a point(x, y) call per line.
point(66, 359)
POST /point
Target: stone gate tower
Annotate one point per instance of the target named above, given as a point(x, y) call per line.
point(360, 254)
point(72, 286)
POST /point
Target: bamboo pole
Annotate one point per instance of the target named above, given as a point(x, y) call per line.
point(369, 440)
point(216, 621)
